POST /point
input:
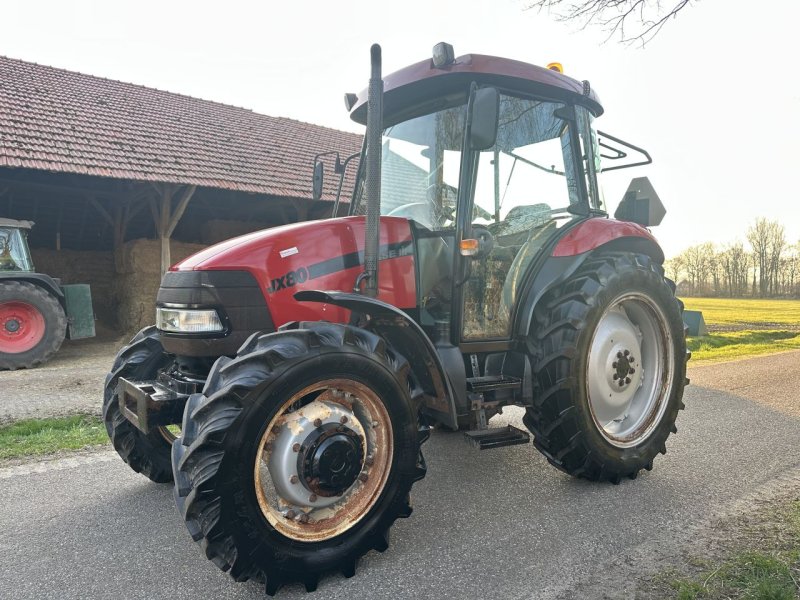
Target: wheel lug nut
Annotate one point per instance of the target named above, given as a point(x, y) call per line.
point(614, 365)
point(632, 371)
point(317, 422)
point(296, 447)
point(631, 359)
point(312, 498)
point(343, 420)
point(363, 477)
point(290, 514)
point(616, 376)
point(375, 424)
point(369, 461)
point(619, 354)
point(627, 380)
point(621, 383)
point(293, 479)
point(627, 352)
point(303, 518)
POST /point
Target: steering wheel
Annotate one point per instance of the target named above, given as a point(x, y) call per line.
point(485, 239)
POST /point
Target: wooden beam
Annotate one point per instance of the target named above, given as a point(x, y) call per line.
point(101, 209)
point(163, 226)
point(183, 202)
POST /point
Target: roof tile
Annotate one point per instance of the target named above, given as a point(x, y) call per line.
point(59, 120)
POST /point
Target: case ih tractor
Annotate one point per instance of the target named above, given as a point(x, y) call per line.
point(477, 268)
point(36, 311)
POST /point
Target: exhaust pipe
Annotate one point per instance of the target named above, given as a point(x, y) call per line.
point(373, 175)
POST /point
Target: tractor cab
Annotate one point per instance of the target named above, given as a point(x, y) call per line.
point(14, 252)
point(482, 215)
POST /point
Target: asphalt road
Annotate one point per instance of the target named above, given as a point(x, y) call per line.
point(492, 524)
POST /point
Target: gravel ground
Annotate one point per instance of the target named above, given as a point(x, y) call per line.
point(72, 382)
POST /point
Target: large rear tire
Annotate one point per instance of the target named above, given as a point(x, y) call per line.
point(141, 360)
point(299, 454)
point(611, 368)
point(32, 325)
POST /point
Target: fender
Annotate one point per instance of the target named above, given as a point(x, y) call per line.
point(408, 338)
point(571, 251)
point(591, 234)
point(40, 279)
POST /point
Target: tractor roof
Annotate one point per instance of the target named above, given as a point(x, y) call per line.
point(17, 224)
point(422, 82)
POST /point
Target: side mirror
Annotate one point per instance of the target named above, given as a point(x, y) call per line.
point(641, 204)
point(319, 175)
point(484, 110)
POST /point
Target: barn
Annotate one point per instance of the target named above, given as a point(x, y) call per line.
point(122, 180)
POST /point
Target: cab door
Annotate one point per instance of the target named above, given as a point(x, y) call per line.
point(520, 192)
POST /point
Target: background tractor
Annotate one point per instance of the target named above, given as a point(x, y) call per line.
point(36, 311)
point(476, 268)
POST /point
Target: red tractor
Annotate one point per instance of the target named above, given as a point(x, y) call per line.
point(294, 374)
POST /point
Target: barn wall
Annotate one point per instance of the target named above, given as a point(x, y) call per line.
point(76, 266)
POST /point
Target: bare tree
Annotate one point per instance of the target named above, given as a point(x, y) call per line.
point(613, 16)
point(698, 262)
point(758, 235)
point(674, 268)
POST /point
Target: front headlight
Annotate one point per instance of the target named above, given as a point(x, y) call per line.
point(184, 320)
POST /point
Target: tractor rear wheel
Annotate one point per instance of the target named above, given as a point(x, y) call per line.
point(148, 454)
point(32, 325)
point(611, 368)
point(299, 455)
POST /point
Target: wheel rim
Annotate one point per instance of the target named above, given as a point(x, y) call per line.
point(323, 460)
point(630, 370)
point(22, 327)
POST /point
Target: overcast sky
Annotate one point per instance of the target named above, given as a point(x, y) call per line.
point(715, 97)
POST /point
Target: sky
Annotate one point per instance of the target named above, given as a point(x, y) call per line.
point(714, 98)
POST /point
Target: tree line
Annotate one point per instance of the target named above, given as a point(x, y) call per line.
point(768, 267)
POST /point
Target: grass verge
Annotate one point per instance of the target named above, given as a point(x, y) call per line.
point(35, 437)
point(729, 345)
point(759, 560)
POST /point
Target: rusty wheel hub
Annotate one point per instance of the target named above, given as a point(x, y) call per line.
point(323, 460)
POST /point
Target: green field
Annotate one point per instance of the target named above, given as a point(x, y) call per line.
point(740, 328)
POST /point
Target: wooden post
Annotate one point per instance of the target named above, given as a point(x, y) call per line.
point(163, 225)
point(166, 220)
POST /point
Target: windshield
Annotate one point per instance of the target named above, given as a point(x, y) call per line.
point(420, 168)
point(14, 255)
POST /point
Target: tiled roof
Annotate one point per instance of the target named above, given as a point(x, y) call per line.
point(58, 120)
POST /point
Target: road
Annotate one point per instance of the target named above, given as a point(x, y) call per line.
point(496, 524)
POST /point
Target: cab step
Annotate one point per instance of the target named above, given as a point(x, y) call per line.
point(493, 382)
point(486, 439)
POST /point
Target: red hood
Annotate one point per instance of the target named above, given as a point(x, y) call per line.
point(315, 255)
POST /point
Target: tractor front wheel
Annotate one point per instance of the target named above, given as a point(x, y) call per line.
point(299, 454)
point(611, 368)
point(148, 454)
point(32, 325)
